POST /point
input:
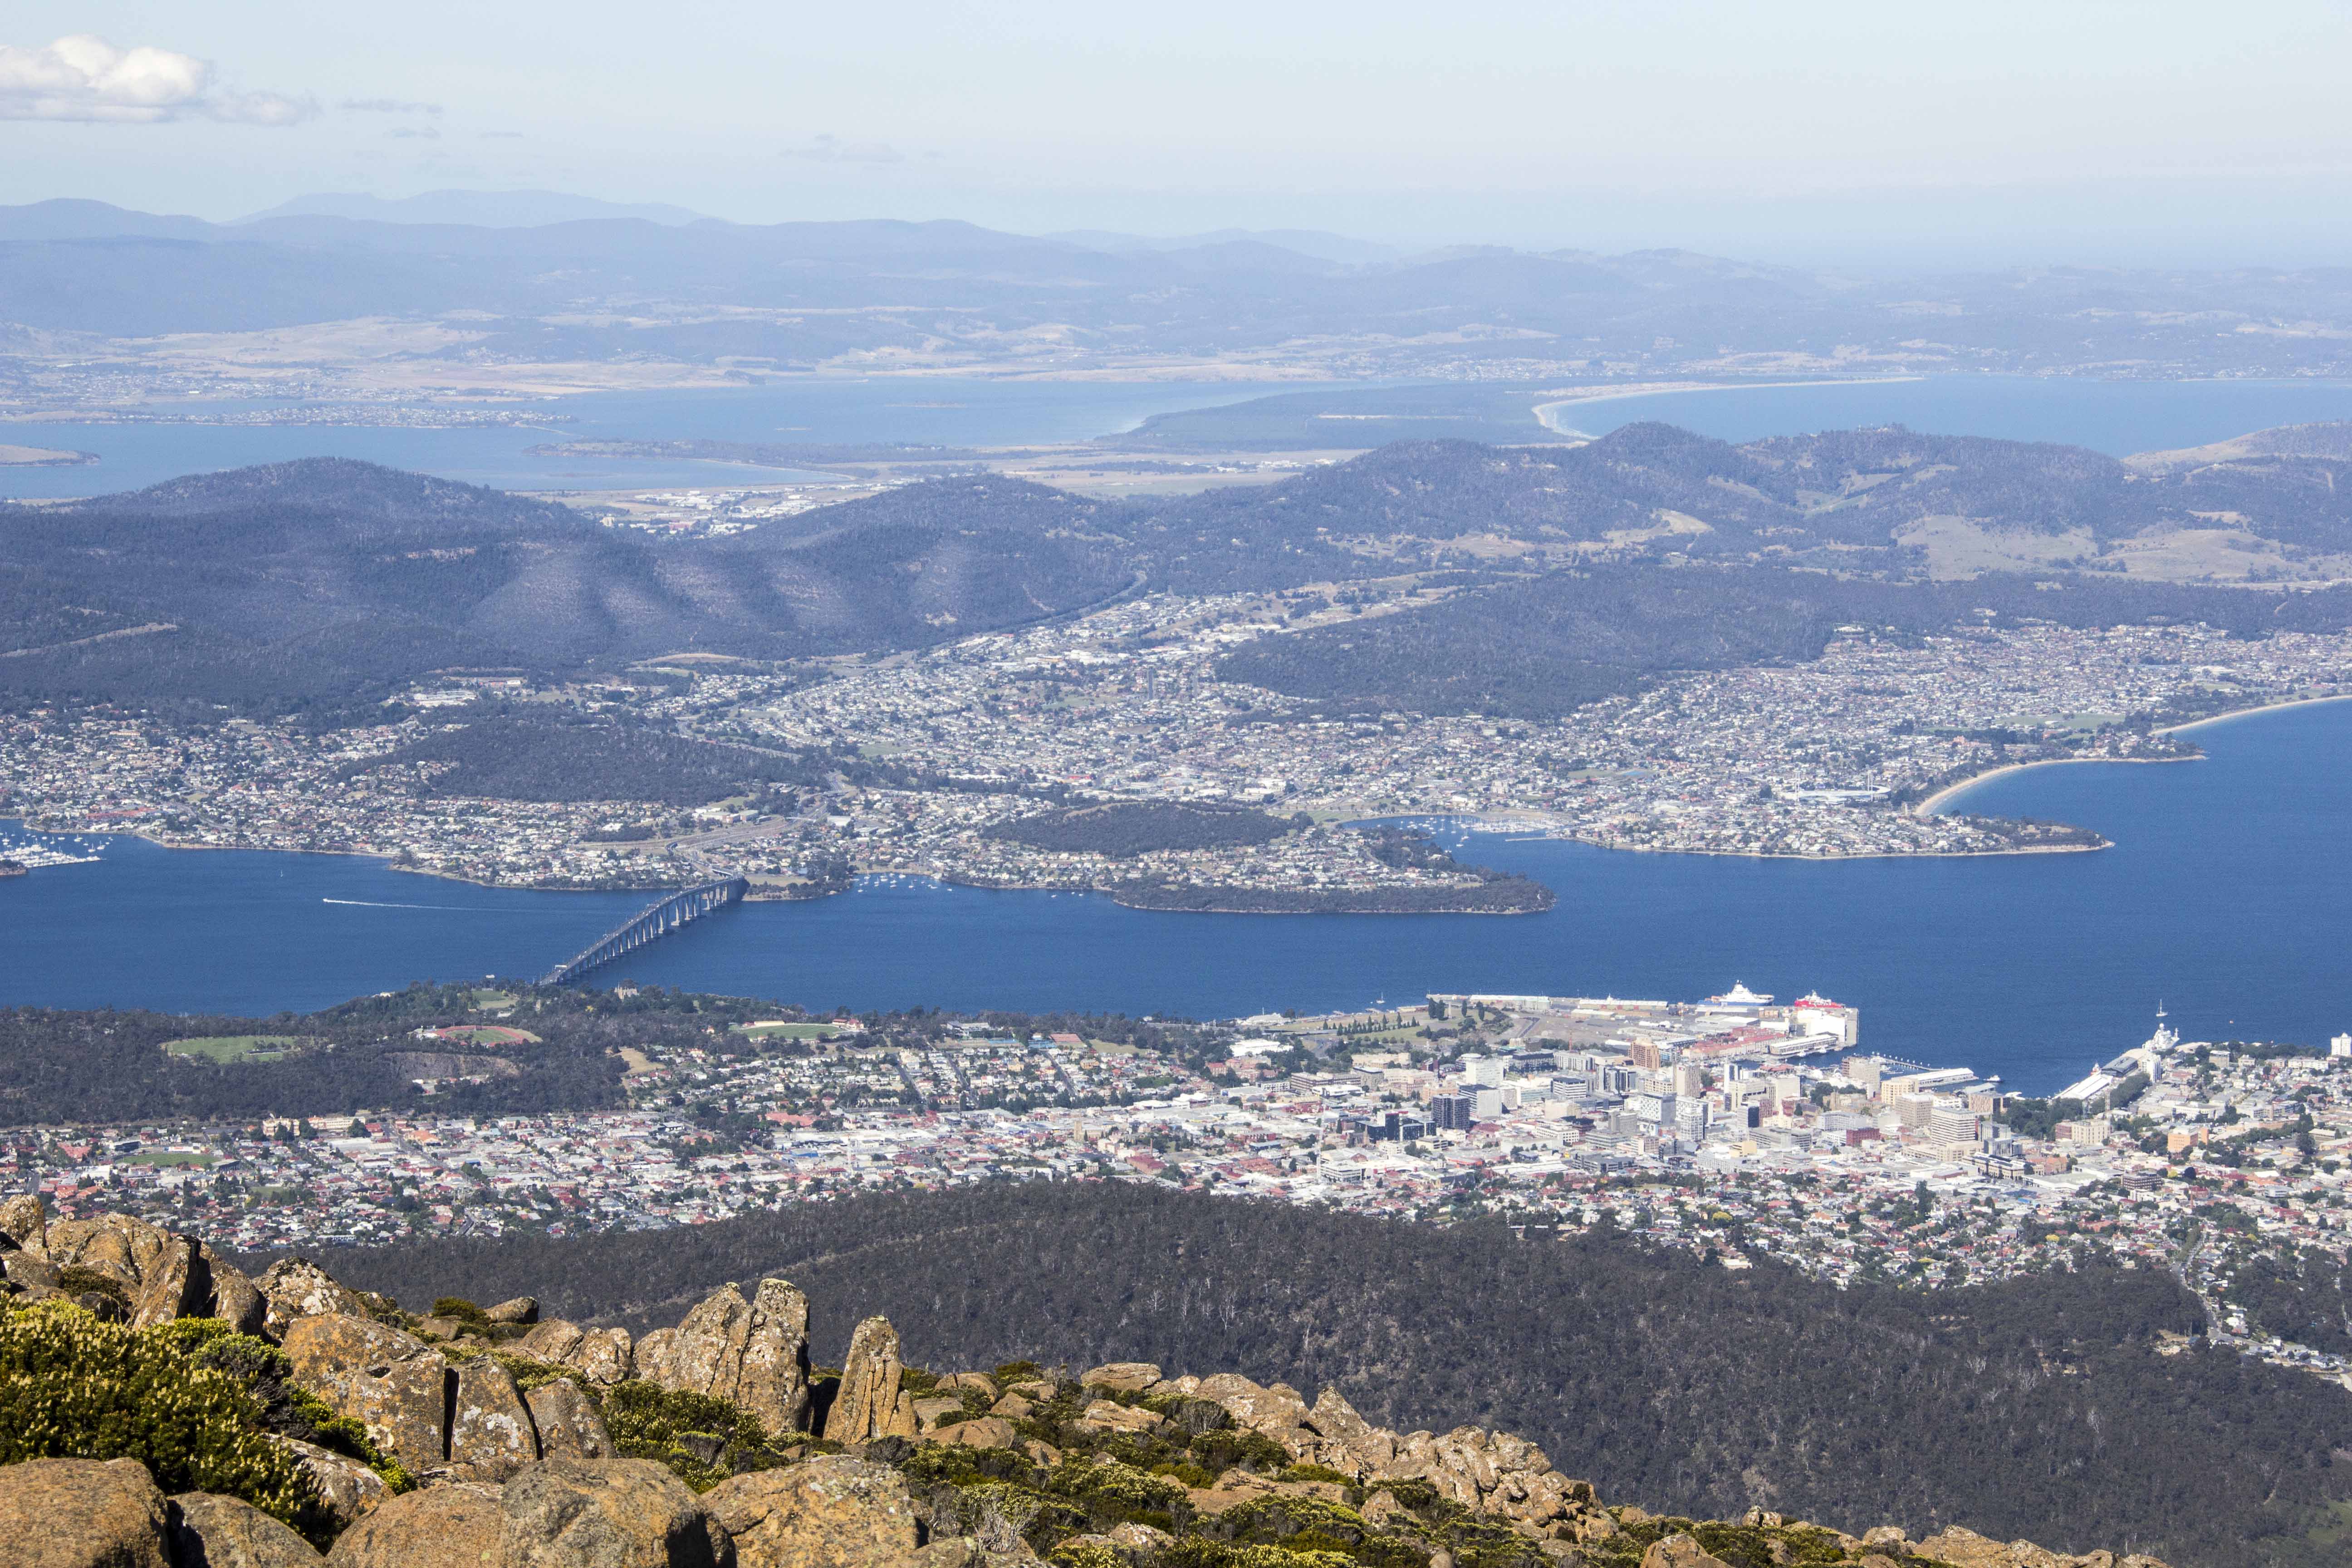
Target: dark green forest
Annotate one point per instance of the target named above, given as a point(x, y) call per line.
point(516, 758)
point(2038, 1407)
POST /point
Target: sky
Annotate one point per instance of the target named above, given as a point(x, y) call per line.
point(1812, 131)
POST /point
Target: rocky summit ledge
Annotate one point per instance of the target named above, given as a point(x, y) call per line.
point(159, 1409)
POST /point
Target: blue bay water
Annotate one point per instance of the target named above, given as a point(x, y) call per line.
point(2226, 898)
point(913, 411)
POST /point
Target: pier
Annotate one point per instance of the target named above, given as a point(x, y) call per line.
point(651, 924)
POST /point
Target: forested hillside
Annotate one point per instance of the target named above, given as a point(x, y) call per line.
point(320, 587)
point(2042, 1407)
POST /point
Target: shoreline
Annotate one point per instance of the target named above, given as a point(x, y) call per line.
point(1935, 802)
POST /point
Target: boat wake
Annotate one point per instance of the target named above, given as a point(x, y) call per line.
point(373, 904)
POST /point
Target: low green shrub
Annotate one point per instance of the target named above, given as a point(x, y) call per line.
point(669, 1425)
point(72, 1386)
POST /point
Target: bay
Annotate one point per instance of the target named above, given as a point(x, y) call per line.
point(2225, 899)
point(946, 412)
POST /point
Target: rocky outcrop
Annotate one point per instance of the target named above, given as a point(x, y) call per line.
point(174, 1284)
point(871, 1404)
point(295, 1288)
point(391, 1383)
point(460, 1525)
point(1967, 1549)
point(754, 1352)
point(568, 1425)
point(25, 1225)
point(115, 1245)
point(601, 1356)
point(208, 1531)
point(491, 1434)
point(833, 1512)
point(349, 1490)
point(521, 1310)
point(82, 1513)
point(1121, 1376)
point(232, 1298)
point(607, 1513)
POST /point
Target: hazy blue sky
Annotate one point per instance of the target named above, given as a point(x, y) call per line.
point(1983, 130)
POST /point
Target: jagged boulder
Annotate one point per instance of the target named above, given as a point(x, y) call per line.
point(461, 1525)
point(349, 1489)
point(231, 1296)
point(871, 1404)
point(1121, 1376)
point(521, 1310)
point(82, 1513)
point(982, 1432)
point(1345, 1441)
point(1277, 1411)
point(602, 1356)
point(296, 1287)
point(491, 1434)
point(831, 1512)
point(1680, 1551)
point(389, 1381)
point(754, 1352)
point(115, 1245)
point(174, 1284)
point(607, 1513)
point(568, 1425)
point(25, 1225)
point(209, 1532)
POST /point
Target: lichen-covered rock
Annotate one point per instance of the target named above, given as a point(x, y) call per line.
point(831, 1512)
point(460, 1525)
point(296, 1287)
point(754, 1352)
point(979, 1380)
point(1680, 1551)
point(114, 1245)
point(389, 1381)
point(1346, 1441)
point(490, 1430)
point(1274, 1410)
point(231, 1297)
point(349, 1489)
point(1121, 1376)
point(26, 1225)
point(607, 1513)
point(210, 1531)
point(602, 1356)
point(569, 1426)
point(82, 1513)
point(174, 1285)
point(869, 1401)
point(982, 1432)
point(1105, 1416)
point(521, 1310)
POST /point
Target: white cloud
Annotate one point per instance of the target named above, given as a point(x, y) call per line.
point(83, 77)
point(387, 105)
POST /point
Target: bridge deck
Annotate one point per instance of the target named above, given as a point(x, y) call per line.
point(651, 924)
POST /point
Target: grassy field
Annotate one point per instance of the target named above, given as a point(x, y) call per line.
point(169, 1157)
point(790, 1031)
point(488, 1000)
point(234, 1047)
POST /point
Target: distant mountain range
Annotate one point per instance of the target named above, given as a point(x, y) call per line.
point(530, 278)
point(486, 209)
point(324, 583)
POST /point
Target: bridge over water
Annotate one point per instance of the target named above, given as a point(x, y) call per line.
point(655, 920)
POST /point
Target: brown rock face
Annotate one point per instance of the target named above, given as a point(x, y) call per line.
point(869, 1385)
point(984, 1432)
point(456, 1526)
point(1121, 1376)
point(754, 1352)
point(490, 1429)
point(176, 1285)
point(603, 1356)
point(1345, 1442)
point(296, 1287)
point(831, 1512)
point(607, 1513)
point(569, 1426)
point(521, 1310)
point(233, 1300)
point(114, 1245)
point(349, 1489)
point(26, 1223)
point(1680, 1551)
point(208, 1531)
point(387, 1381)
point(82, 1513)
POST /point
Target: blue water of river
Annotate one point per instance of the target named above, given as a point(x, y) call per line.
point(2226, 898)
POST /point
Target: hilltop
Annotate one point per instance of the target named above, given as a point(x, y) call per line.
point(289, 1411)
